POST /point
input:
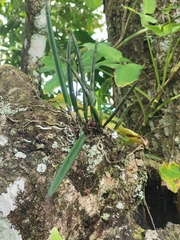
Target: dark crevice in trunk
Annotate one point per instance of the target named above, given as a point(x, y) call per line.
point(162, 204)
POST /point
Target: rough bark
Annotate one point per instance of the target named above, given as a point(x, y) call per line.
point(102, 196)
point(93, 201)
point(164, 125)
point(163, 129)
point(34, 39)
point(109, 189)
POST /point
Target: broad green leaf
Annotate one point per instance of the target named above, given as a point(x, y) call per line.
point(83, 36)
point(106, 51)
point(127, 74)
point(49, 65)
point(58, 101)
point(149, 6)
point(164, 30)
point(51, 84)
point(55, 235)
point(93, 4)
point(87, 59)
point(109, 63)
point(145, 19)
point(102, 92)
point(170, 174)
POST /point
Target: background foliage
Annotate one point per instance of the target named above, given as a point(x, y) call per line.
point(65, 15)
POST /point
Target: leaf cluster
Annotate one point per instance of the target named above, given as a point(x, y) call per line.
point(107, 56)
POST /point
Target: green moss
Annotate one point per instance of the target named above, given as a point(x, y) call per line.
point(138, 234)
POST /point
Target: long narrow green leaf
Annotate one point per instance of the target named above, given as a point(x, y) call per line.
point(86, 97)
point(58, 65)
point(120, 105)
point(82, 80)
point(81, 68)
point(92, 73)
point(70, 79)
point(67, 163)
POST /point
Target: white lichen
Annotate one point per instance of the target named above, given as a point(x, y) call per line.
point(45, 159)
point(38, 43)
point(105, 216)
point(8, 200)
point(65, 149)
point(7, 231)
point(41, 168)
point(120, 205)
point(6, 109)
point(55, 144)
point(3, 140)
point(114, 135)
point(20, 155)
point(40, 21)
point(95, 157)
point(151, 234)
point(164, 45)
point(138, 192)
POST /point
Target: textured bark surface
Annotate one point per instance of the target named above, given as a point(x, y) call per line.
point(98, 199)
point(34, 39)
point(163, 128)
point(102, 197)
point(165, 124)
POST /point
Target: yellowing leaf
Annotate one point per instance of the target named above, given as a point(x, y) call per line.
point(128, 135)
point(170, 174)
point(58, 101)
point(132, 137)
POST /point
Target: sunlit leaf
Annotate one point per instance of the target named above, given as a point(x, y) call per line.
point(170, 174)
point(55, 235)
point(58, 101)
point(126, 74)
point(106, 51)
point(145, 19)
point(49, 65)
point(51, 84)
point(132, 137)
point(149, 6)
point(93, 4)
point(164, 30)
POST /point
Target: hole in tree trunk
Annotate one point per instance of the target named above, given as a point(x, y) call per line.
point(162, 204)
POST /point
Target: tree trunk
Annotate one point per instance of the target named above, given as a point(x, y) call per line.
point(34, 39)
point(162, 127)
point(100, 197)
point(106, 195)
